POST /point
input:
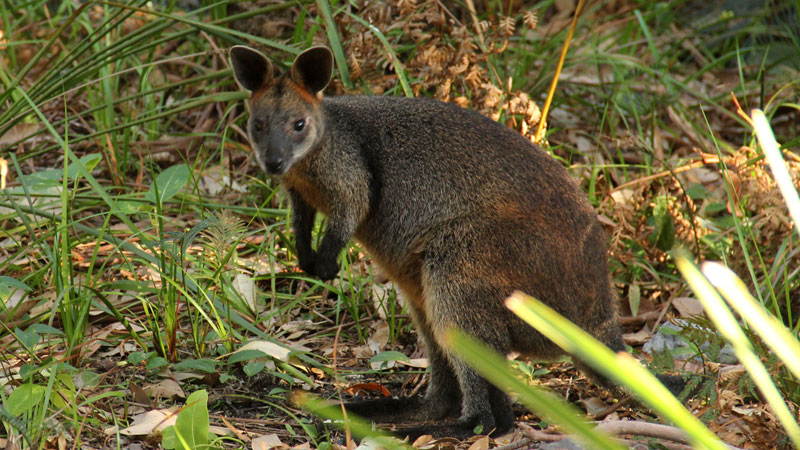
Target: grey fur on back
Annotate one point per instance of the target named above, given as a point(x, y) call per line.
point(435, 167)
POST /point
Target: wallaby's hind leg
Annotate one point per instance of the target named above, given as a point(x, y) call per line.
point(449, 292)
point(442, 399)
point(485, 409)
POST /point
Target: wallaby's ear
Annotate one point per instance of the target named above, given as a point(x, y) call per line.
point(313, 68)
point(250, 68)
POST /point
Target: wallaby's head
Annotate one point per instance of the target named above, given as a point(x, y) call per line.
point(286, 120)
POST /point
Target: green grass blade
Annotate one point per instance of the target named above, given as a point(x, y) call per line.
point(621, 367)
point(324, 8)
point(495, 369)
point(773, 154)
point(726, 323)
point(779, 339)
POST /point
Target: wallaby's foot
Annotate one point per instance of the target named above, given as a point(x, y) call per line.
point(460, 429)
point(403, 409)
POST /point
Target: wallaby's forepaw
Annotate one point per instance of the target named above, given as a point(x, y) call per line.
point(308, 263)
point(326, 270)
point(318, 267)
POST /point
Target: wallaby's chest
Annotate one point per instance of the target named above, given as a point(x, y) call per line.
point(307, 190)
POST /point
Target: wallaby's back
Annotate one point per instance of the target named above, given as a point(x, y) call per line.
point(447, 179)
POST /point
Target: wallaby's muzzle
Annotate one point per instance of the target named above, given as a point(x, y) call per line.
point(275, 166)
point(272, 156)
point(272, 160)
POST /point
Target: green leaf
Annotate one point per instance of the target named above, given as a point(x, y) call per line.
point(45, 329)
point(389, 356)
point(52, 177)
point(90, 379)
point(168, 440)
point(664, 234)
point(713, 208)
point(245, 355)
point(89, 161)
point(24, 398)
point(155, 363)
point(28, 370)
point(169, 183)
point(254, 367)
point(28, 338)
point(128, 207)
point(725, 222)
point(191, 426)
point(136, 357)
point(202, 365)
point(697, 191)
point(634, 298)
point(12, 283)
point(42, 179)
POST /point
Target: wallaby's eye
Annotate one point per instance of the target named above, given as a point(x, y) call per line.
point(258, 125)
point(299, 125)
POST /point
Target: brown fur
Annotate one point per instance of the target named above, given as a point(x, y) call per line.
point(458, 210)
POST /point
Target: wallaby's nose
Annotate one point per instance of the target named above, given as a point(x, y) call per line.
point(275, 165)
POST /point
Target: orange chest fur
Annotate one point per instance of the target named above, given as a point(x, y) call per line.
point(308, 191)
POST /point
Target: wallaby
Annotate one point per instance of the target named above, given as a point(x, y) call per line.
point(458, 210)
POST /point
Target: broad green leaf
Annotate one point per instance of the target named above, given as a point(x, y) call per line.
point(253, 367)
point(128, 207)
point(663, 235)
point(697, 191)
point(41, 179)
point(245, 355)
point(89, 161)
point(12, 283)
point(202, 365)
point(389, 356)
point(42, 328)
point(168, 440)
point(155, 363)
point(136, 358)
point(191, 427)
point(24, 398)
point(28, 338)
point(272, 349)
point(634, 298)
point(169, 182)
